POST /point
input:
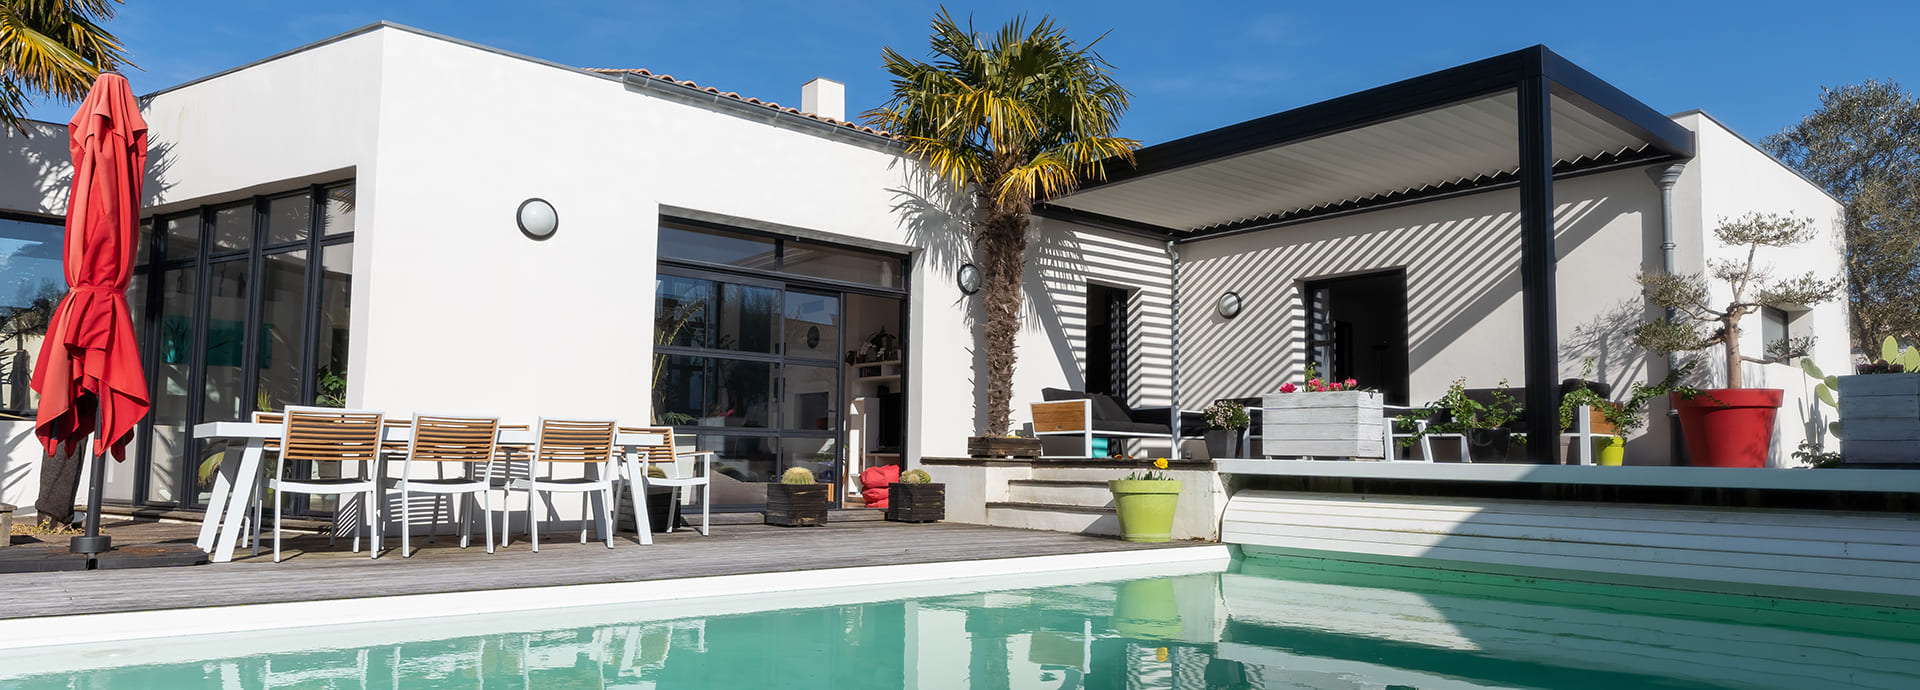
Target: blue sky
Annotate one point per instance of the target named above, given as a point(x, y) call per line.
point(1758, 66)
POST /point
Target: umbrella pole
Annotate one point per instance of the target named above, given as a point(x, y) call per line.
point(94, 543)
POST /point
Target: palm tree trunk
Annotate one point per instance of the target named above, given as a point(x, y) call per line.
point(1001, 249)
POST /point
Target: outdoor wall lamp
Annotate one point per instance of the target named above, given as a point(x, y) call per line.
point(969, 278)
point(1229, 305)
point(537, 218)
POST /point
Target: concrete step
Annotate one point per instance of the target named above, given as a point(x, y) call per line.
point(1054, 517)
point(1060, 492)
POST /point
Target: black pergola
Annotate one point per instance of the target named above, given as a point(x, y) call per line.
point(1520, 120)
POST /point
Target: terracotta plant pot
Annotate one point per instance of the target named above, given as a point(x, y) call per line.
point(1729, 427)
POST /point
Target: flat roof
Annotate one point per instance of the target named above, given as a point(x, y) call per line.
point(1440, 134)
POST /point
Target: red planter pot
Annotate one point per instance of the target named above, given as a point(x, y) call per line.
point(1729, 427)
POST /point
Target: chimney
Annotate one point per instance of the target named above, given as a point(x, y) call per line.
point(824, 97)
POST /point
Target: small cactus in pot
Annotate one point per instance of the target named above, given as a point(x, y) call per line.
point(797, 500)
point(915, 498)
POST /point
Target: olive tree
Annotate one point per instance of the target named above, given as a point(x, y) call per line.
point(1696, 321)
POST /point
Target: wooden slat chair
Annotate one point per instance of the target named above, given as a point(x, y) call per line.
point(469, 443)
point(324, 434)
point(1093, 415)
point(584, 442)
point(667, 457)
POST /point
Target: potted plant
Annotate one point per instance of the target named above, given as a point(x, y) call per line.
point(1322, 419)
point(1618, 419)
point(1225, 421)
point(796, 501)
point(1145, 503)
point(1484, 424)
point(915, 498)
point(1880, 408)
point(1732, 426)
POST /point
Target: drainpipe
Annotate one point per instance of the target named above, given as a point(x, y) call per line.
point(1666, 178)
point(1173, 402)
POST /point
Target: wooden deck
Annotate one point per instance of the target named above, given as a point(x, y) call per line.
point(311, 571)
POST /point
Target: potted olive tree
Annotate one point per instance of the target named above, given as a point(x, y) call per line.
point(1732, 426)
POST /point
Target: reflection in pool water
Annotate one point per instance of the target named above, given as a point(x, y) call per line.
point(1264, 624)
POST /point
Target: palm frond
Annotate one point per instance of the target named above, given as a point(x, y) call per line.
point(54, 47)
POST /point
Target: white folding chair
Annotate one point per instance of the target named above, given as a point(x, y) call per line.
point(468, 442)
point(668, 458)
point(325, 434)
point(587, 443)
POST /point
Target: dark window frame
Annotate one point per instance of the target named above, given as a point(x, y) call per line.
point(204, 256)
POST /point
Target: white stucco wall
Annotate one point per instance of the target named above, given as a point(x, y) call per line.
point(1735, 178)
point(1062, 260)
point(565, 326)
point(1461, 256)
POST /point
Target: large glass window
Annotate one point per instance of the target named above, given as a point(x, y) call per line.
point(241, 329)
point(755, 358)
point(717, 247)
point(31, 285)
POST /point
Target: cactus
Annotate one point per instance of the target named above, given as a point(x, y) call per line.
point(916, 477)
point(656, 473)
point(797, 475)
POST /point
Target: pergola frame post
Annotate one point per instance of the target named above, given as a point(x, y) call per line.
point(1539, 327)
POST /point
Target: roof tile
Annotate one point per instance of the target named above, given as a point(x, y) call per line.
point(743, 99)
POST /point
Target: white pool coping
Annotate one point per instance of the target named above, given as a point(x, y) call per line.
point(1890, 480)
point(114, 639)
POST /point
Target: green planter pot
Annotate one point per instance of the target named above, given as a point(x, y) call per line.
point(1145, 507)
point(1609, 451)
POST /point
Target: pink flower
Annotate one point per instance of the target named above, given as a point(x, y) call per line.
point(1350, 383)
point(1288, 387)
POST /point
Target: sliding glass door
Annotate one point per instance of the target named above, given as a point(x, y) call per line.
point(753, 353)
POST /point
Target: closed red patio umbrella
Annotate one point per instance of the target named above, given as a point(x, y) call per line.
point(88, 374)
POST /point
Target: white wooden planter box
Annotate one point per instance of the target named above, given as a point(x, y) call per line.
point(1880, 419)
point(1344, 424)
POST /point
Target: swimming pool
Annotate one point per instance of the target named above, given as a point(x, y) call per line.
point(1263, 623)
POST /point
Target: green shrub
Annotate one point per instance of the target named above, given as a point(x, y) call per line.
point(916, 477)
point(797, 475)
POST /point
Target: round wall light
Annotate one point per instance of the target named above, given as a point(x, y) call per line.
point(537, 218)
point(1229, 305)
point(969, 278)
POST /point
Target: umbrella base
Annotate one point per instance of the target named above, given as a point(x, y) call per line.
point(91, 545)
point(28, 559)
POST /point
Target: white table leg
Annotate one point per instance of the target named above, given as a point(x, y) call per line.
point(239, 499)
point(216, 507)
point(637, 489)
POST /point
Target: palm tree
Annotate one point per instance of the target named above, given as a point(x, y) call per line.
point(54, 47)
point(1013, 119)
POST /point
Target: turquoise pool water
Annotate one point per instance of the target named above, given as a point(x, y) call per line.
point(1262, 624)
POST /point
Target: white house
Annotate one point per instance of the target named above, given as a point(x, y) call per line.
point(337, 223)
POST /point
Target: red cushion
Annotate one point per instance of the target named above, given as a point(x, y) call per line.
point(874, 481)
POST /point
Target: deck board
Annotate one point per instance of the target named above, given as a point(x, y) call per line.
point(311, 571)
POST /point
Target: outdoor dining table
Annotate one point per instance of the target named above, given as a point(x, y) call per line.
point(234, 486)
